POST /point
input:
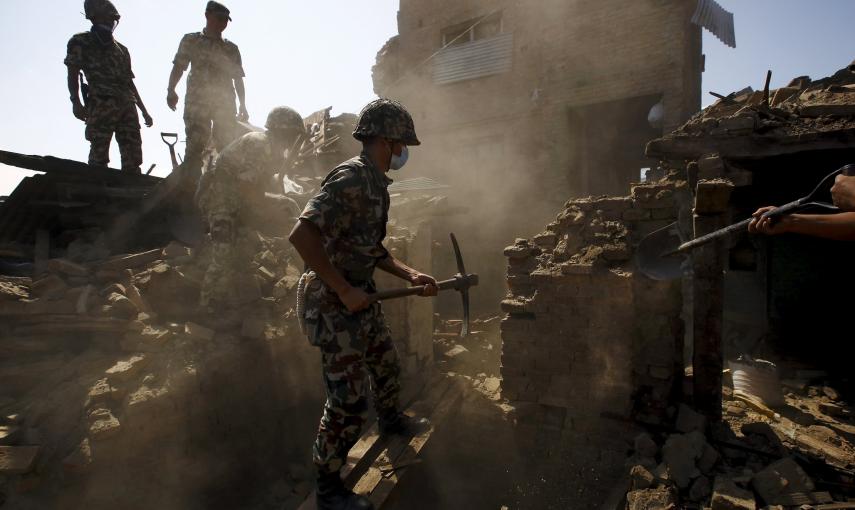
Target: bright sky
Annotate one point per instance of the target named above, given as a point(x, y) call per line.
point(310, 55)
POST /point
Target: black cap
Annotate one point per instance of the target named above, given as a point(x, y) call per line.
point(218, 8)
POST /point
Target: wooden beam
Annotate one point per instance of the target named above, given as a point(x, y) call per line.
point(708, 306)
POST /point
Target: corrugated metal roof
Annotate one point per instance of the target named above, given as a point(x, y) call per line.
point(710, 15)
point(474, 59)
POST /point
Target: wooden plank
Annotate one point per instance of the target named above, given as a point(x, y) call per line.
point(837, 506)
point(397, 444)
point(361, 457)
point(410, 455)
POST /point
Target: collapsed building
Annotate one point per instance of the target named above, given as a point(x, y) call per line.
point(591, 340)
point(114, 392)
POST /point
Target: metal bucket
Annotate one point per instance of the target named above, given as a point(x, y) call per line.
point(758, 379)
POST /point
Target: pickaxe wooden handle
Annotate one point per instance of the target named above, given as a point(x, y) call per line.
point(461, 282)
point(458, 283)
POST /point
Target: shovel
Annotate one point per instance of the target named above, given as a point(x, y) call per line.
point(658, 254)
point(170, 139)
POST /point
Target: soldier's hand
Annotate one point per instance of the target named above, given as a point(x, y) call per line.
point(843, 192)
point(768, 226)
point(243, 115)
point(355, 299)
point(428, 281)
point(79, 111)
point(149, 122)
point(172, 99)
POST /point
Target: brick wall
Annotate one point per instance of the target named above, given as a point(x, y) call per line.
point(584, 330)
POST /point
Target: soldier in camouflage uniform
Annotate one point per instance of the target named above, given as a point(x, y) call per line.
point(339, 235)
point(231, 195)
point(216, 73)
point(112, 99)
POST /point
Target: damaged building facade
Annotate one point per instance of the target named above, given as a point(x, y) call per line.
point(538, 99)
point(589, 337)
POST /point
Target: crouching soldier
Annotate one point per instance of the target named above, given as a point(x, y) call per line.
point(339, 236)
point(231, 196)
point(110, 104)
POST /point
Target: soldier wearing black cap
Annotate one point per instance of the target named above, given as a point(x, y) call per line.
point(216, 73)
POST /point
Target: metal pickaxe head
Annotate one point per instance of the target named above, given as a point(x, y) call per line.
point(465, 281)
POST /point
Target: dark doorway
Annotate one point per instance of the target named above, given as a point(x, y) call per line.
point(607, 142)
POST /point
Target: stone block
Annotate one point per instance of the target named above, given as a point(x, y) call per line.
point(727, 496)
point(175, 250)
point(121, 307)
point(104, 425)
point(689, 420)
point(641, 478)
point(660, 498)
point(711, 167)
point(680, 453)
point(780, 478)
point(124, 371)
point(739, 124)
point(713, 196)
point(700, 490)
point(645, 446)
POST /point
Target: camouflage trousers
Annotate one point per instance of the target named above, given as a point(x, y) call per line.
point(356, 352)
point(229, 281)
point(108, 115)
point(202, 123)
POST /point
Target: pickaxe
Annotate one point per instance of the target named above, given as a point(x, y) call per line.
point(461, 283)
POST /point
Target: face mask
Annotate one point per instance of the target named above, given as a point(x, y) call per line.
point(104, 32)
point(398, 162)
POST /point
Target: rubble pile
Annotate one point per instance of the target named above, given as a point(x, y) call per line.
point(755, 458)
point(745, 123)
point(115, 388)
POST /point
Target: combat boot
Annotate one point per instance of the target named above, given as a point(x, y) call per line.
point(402, 425)
point(333, 495)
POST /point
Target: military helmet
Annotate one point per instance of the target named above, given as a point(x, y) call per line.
point(283, 117)
point(388, 119)
point(94, 8)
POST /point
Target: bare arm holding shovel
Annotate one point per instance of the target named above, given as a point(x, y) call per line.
point(839, 227)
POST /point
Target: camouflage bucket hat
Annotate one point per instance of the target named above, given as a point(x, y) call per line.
point(93, 8)
point(388, 119)
point(283, 117)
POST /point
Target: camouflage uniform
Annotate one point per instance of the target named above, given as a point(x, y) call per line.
point(209, 105)
point(229, 195)
point(111, 106)
point(351, 212)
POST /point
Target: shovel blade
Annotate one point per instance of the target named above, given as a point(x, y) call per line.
point(650, 256)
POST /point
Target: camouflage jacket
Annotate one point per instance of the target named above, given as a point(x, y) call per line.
point(239, 177)
point(351, 212)
point(107, 66)
point(214, 64)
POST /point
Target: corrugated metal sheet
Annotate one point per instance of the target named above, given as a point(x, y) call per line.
point(710, 15)
point(474, 59)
